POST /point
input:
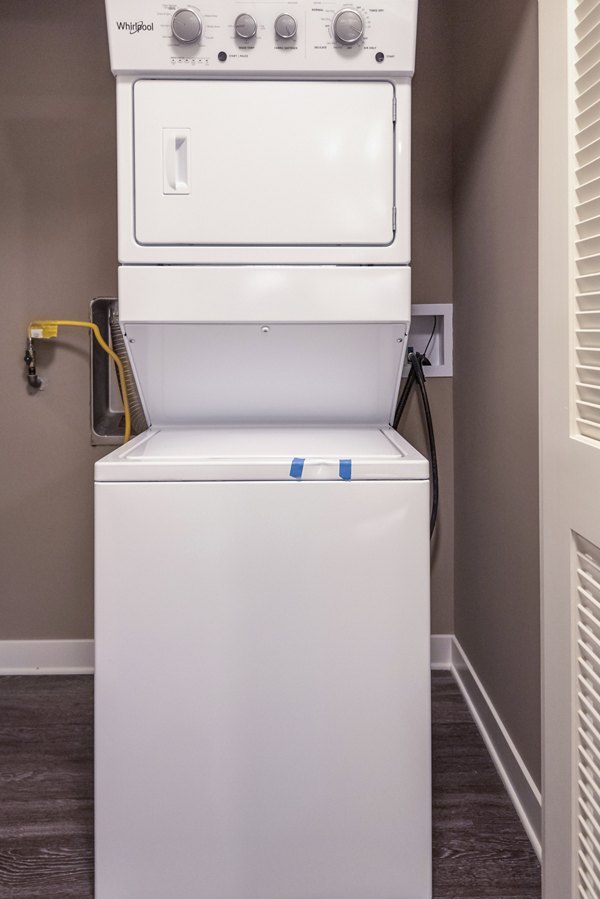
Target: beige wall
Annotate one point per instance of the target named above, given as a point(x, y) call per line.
point(58, 251)
point(497, 606)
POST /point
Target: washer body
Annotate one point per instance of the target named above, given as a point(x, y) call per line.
point(262, 702)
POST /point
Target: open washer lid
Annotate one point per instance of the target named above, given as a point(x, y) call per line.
point(253, 345)
point(264, 454)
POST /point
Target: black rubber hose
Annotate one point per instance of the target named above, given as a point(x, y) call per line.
point(403, 398)
point(417, 367)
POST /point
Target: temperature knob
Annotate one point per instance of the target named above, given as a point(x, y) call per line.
point(245, 26)
point(285, 27)
point(186, 25)
point(348, 26)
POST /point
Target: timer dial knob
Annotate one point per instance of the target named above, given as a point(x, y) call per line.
point(245, 26)
point(286, 27)
point(186, 25)
point(348, 26)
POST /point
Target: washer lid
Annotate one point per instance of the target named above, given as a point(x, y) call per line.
point(264, 454)
point(253, 345)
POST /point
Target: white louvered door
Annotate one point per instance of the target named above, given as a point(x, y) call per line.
point(587, 706)
point(570, 442)
point(587, 216)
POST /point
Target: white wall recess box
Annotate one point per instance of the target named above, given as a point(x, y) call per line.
point(436, 319)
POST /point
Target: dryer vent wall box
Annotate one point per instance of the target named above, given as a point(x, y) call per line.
point(262, 647)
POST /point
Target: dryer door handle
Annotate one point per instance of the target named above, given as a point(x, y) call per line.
point(176, 161)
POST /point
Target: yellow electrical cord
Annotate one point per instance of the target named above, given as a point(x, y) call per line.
point(48, 329)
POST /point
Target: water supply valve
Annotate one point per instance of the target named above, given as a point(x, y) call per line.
point(33, 378)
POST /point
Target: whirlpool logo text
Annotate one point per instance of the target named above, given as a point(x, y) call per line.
point(135, 27)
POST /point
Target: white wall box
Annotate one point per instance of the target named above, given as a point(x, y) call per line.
point(436, 318)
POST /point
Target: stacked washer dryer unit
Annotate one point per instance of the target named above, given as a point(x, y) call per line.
point(262, 563)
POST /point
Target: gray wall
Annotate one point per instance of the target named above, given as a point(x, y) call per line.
point(58, 250)
point(432, 272)
point(497, 605)
point(58, 240)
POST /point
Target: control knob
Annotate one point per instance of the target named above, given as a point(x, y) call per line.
point(245, 26)
point(186, 25)
point(285, 27)
point(348, 26)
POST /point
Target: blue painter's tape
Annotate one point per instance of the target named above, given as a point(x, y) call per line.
point(296, 468)
point(346, 469)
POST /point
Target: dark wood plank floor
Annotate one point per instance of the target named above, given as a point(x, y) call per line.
point(480, 849)
point(46, 787)
point(46, 798)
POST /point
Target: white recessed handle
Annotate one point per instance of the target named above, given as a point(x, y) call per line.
point(176, 161)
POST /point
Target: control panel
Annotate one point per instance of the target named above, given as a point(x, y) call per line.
point(221, 37)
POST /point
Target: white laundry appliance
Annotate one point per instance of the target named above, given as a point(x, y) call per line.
point(262, 551)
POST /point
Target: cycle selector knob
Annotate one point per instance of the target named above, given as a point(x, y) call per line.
point(186, 25)
point(245, 26)
point(348, 26)
point(286, 27)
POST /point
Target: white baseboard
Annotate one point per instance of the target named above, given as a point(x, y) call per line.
point(441, 652)
point(77, 657)
point(515, 776)
point(46, 657)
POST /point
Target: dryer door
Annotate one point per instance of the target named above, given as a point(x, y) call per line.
point(247, 163)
